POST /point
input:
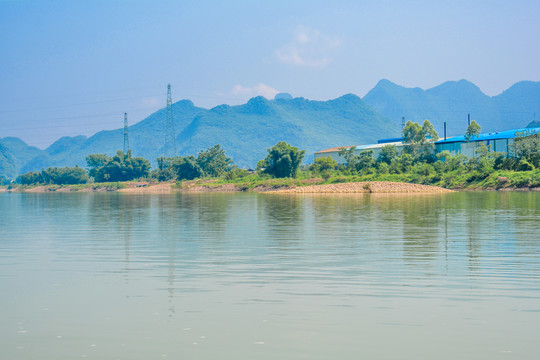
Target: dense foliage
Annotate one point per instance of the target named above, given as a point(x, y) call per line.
point(527, 148)
point(187, 168)
point(283, 160)
point(211, 162)
point(322, 166)
point(120, 167)
point(420, 141)
point(57, 176)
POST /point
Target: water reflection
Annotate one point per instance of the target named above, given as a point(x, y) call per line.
point(287, 271)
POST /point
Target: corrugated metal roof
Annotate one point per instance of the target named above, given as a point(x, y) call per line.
point(507, 134)
point(336, 149)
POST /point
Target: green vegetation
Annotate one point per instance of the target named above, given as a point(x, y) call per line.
point(212, 163)
point(420, 141)
point(387, 153)
point(186, 168)
point(419, 164)
point(55, 176)
point(526, 148)
point(120, 167)
point(323, 166)
point(473, 130)
point(283, 160)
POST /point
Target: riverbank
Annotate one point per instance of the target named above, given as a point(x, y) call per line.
point(366, 187)
point(312, 185)
point(212, 186)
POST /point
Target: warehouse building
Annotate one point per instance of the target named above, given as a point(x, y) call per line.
point(500, 141)
point(496, 141)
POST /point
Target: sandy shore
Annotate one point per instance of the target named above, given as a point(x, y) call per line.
point(149, 188)
point(366, 187)
point(198, 187)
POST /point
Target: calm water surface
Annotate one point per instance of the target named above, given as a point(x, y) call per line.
point(259, 276)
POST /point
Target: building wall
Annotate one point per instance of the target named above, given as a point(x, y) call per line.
point(333, 154)
point(341, 160)
point(469, 149)
point(458, 147)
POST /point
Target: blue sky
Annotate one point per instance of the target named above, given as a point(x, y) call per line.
point(74, 67)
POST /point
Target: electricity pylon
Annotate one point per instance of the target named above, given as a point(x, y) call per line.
point(126, 138)
point(169, 148)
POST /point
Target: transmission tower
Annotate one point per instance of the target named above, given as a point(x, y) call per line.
point(169, 148)
point(126, 138)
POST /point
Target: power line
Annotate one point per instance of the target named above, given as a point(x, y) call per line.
point(79, 104)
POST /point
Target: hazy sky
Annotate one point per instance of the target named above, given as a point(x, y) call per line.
point(74, 67)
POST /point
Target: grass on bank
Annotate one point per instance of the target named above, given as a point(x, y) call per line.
point(243, 181)
point(471, 180)
point(252, 181)
point(499, 179)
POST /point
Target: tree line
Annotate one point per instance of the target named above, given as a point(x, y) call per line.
point(283, 160)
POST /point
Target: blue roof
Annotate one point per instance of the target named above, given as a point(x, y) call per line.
point(384, 141)
point(507, 134)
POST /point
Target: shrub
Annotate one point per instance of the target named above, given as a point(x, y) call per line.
point(524, 165)
point(321, 165)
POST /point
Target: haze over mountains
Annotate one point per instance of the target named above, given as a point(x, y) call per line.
point(452, 101)
point(247, 131)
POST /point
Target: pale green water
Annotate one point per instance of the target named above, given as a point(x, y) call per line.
point(247, 276)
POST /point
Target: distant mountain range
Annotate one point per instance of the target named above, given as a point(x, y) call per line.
point(247, 131)
point(452, 101)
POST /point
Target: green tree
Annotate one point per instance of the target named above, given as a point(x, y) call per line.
point(323, 164)
point(120, 167)
point(30, 178)
point(213, 161)
point(350, 157)
point(54, 175)
point(387, 153)
point(527, 147)
point(165, 170)
point(71, 175)
point(484, 161)
point(365, 160)
point(94, 162)
point(401, 164)
point(473, 130)
point(420, 140)
point(452, 162)
point(283, 160)
point(187, 168)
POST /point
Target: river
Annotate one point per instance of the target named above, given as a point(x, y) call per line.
point(260, 276)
